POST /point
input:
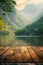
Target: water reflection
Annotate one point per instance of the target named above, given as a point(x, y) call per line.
point(11, 40)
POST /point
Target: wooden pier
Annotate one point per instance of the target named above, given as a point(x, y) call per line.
point(20, 54)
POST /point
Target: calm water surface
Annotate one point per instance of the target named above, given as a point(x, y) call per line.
point(12, 40)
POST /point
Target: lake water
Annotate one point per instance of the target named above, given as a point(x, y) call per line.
point(12, 40)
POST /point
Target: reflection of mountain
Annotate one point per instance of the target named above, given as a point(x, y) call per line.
point(35, 28)
point(31, 41)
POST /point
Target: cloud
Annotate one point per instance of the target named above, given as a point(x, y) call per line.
point(22, 3)
point(36, 1)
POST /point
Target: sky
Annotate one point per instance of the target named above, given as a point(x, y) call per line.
point(22, 3)
point(29, 12)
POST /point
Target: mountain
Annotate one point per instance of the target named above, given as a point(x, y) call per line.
point(31, 11)
point(35, 28)
point(14, 20)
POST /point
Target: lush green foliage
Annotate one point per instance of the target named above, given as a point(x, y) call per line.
point(3, 29)
point(6, 5)
point(35, 28)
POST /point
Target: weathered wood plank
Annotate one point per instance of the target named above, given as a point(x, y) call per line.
point(1, 47)
point(38, 53)
point(41, 48)
point(16, 57)
point(21, 54)
point(34, 55)
point(3, 50)
point(25, 55)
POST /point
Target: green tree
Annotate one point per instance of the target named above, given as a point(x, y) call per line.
point(2, 25)
point(6, 5)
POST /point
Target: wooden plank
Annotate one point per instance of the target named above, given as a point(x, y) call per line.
point(3, 50)
point(21, 54)
point(9, 52)
point(38, 52)
point(41, 48)
point(16, 57)
point(1, 47)
point(34, 55)
point(25, 55)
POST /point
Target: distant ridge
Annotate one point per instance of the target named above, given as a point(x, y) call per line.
point(35, 28)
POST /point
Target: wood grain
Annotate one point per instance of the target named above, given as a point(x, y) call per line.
point(21, 54)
